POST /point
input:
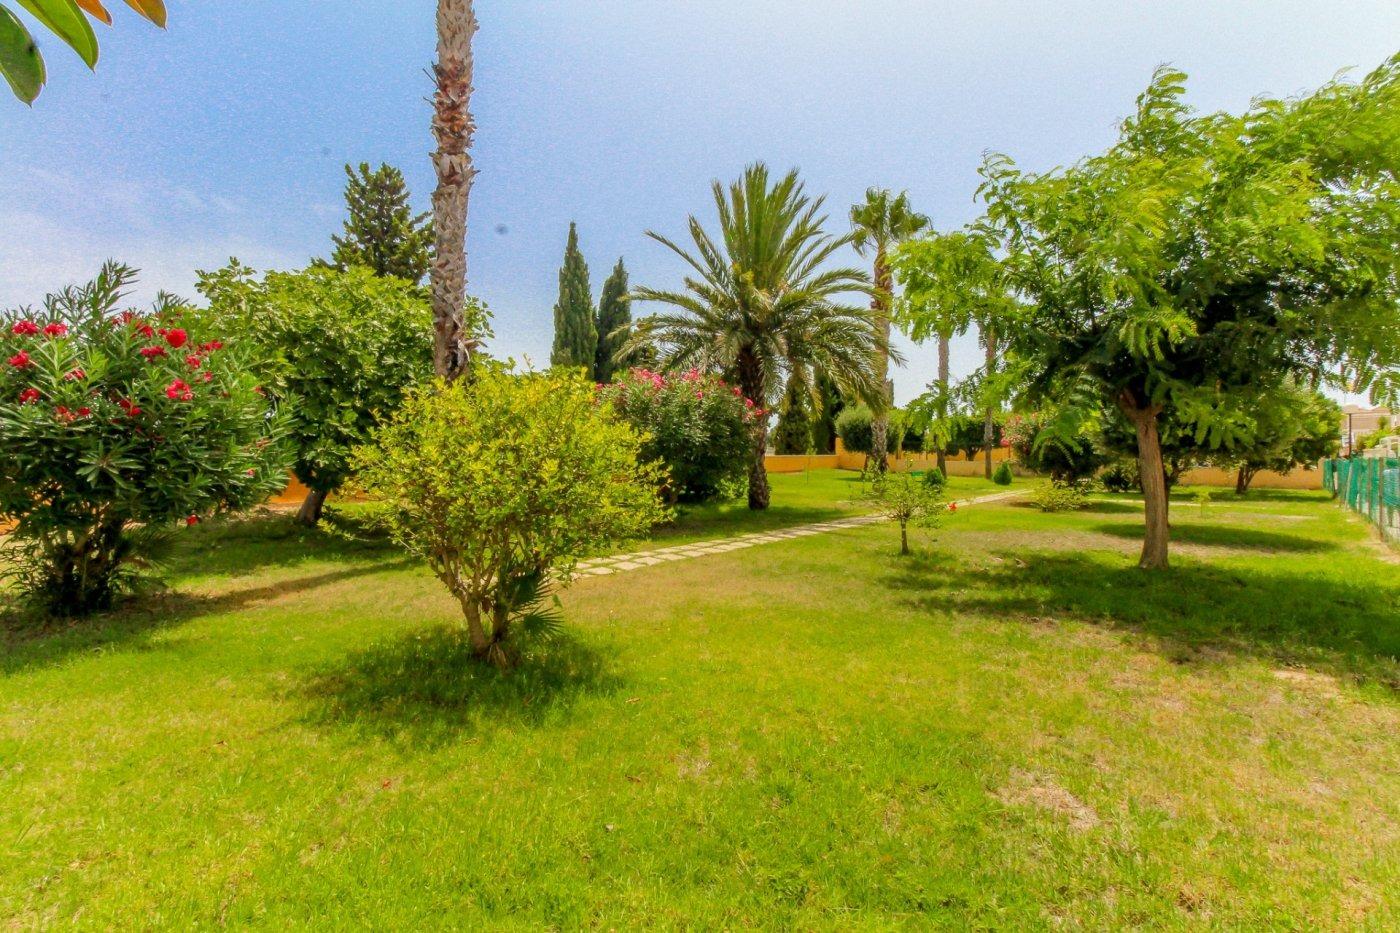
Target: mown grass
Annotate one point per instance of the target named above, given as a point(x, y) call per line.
point(1013, 729)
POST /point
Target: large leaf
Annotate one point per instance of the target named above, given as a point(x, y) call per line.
point(19, 58)
point(153, 10)
point(68, 23)
point(96, 10)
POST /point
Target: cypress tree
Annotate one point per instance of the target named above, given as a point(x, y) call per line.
point(614, 312)
point(794, 431)
point(575, 330)
point(824, 418)
point(382, 233)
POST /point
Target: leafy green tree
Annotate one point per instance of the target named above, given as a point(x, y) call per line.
point(1293, 427)
point(614, 324)
point(760, 304)
point(575, 325)
point(794, 432)
point(829, 405)
point(502, 484)
point(856, 428)
point(20, 62)
point(116, 427)
point(381, 232)
point(879, 223)
point(901, 498)
point(1205, 257)
point(342, 348)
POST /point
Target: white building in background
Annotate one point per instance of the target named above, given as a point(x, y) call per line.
point(1357, 422)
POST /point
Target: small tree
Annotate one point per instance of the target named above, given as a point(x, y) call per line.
point(113, 429)
point(793, 435)
point(901, 498)
point(502, 484)
point(381, 232)
point(614, 324)
point(575, 328)
point(696, 426)
point(341, 348)
point(855, 428)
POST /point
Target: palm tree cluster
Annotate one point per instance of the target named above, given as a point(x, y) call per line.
point(761, 306)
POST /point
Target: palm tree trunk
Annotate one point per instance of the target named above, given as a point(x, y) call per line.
point(880, 304)
point(752, 385)
point(989, 337)
point(452, 128)
point(944, 377)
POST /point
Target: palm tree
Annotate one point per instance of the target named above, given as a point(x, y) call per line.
point(452, 128)
point(761, 308)
point(880, 223)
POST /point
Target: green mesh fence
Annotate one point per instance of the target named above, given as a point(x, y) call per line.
point(1369, 486)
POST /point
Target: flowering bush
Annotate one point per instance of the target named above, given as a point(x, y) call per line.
point(1045, 452)
point(696, 425)
point(501, 484)
point(114, 427)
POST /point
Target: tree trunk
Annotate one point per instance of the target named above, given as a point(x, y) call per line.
point(453, 128)
point(903, 538)
point(1242, 480)
point(880, 304)
point(1154, 482)
point(311, 507)
point(944, 377)
point(751, 383)
point(989, 424)
point(476, 632)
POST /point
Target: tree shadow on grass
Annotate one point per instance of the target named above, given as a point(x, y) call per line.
point(30, 640)
point(250, 543)
point(1226, 536)
point(1191, 611)
point(426, 689)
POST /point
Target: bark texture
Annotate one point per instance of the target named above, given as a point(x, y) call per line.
point(751, 383)
point(880, 305)
point(1153, 477)
point(312, 507)
point(453, 129)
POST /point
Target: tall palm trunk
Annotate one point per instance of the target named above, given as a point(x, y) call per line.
point(452, 128)
point(989, 337)
point(880, 304)
point(751, 383)
point(944, 378)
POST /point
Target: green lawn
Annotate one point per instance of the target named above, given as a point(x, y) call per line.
point(1013, 728)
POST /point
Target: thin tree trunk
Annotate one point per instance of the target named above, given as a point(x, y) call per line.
point(752, 385)
point(1242, 480)
point(989, 424)
point(880, 304)
point(311, 507)
point(1154, 483)
point(944, 377)
point(453, 128)
point(903, 538)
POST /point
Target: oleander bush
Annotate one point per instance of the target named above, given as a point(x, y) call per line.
point(116, 427)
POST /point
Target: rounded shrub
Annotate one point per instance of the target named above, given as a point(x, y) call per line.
point(853, 426)
point(115, 428)
point(934, 479)
point(1002, 476)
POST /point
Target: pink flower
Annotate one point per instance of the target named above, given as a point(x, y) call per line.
point(179, 390)
point(194, 362)
point(29, 396)
point(25, 329)
point(74, 375)
point(56, 330)
point(146, 330)
point(152, 353)
point(211, 346)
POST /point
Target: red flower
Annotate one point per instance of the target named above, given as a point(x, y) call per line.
point(84, 412)
point(74, 375)
point(738, 391)
point(192, 521)
point(29, 396)
point(25, 329)
point(126, 317)
point(176, 338)
point(20, 360)
point(260, 391)
point(211, 346)
point(151, 353)
point(193, 361)
point(250, 473)
point(146, 330)
point(952, 506)
point(179, 390)
point(128, 406)
point(206, 376)
point(56, 330)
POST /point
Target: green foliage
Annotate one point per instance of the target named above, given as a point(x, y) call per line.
point(759, 305)
point(794, 432)
point(1120, 476)
point(1373, 439)
point(935, 478)
point(1291, 427)
point(1058, 496)
point(1002, 476)
point(575, 326)
point(901, 498)
point(341, 348)
point(114, 428)
point(20, 62)
point(381, 232)
point(614, 324)
point(854, 428)
point(1043, 444)
point(503, 483)
point(696, 426)
point(828, 408)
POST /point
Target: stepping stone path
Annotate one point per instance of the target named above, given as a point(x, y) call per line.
point(620, 563)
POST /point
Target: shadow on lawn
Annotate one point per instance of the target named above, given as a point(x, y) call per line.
point(426, 689)
point(249, 543)
point(1225, 536)
point(30, 640)
point(1189, 610)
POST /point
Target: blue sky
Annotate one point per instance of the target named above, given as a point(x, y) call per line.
point(226, 134)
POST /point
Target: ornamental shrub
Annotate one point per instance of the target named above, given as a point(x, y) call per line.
point(339, 348)
point(1121, 476)
point(853, 426)
point(934, 478)
point(1057, 496)
point(1002, 476)
point(900, 499)
point(501, 483)
point(697, 426)
point(114, 428)
point(1065, 455)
